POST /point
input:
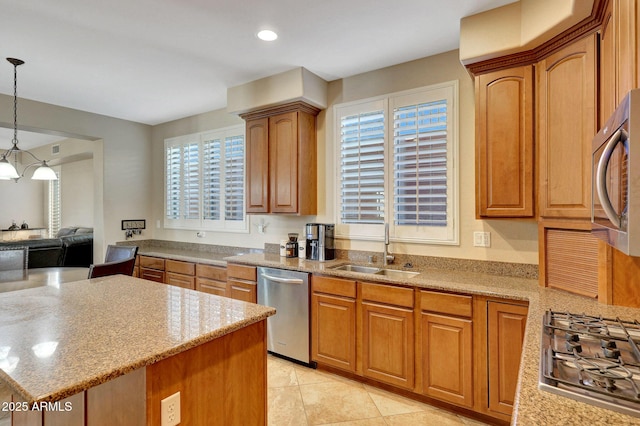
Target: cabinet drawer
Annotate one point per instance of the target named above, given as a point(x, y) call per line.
point(180, 280)
point(388, 294)
point(242, 290)
point(453, 304)
point(241, 271)
point(152, 275)
point(219, 288)
point(179, 267)
point(152, 262)
point(218, 273)
point(334, 286)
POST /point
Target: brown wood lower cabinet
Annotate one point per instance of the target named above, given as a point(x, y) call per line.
point(333, 322)
point(211, 279)
point(460, 349)
point(446, 347)
point(242, 283)
point(152, 269)
point(388, 334)
point(506, 324)
point(498, 352)
point(180, 274)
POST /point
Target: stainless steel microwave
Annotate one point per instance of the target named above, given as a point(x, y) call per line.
point(615, 211)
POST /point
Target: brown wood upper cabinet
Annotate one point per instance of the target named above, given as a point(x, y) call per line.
point(504, 143)
point(282, 159)
point(619, 57)
point(567, 121)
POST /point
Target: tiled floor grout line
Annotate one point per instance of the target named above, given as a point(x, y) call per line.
point(398, 409)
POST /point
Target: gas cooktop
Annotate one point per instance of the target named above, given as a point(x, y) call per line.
point(592, 359)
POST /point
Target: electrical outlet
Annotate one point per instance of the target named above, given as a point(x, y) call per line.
point(201, 234)
point(482, 239)
point(170, 410)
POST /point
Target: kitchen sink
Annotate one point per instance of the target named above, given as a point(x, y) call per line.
point(357, 268)
point(391, 273)
point(394, 273)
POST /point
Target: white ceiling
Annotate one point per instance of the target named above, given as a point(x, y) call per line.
point(152, 61)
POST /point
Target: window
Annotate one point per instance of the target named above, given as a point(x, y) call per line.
point(54, 217)
point(397, 157)
point(204, 180)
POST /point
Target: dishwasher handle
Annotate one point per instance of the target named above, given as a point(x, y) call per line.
point(282, 280)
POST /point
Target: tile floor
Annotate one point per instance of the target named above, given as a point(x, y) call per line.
point(303, 396)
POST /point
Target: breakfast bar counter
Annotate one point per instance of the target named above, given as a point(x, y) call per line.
point(56, 343)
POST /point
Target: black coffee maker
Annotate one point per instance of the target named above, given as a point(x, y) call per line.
point(320, 241)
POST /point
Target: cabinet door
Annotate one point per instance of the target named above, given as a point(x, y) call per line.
point(567, 119)
point(608, 67)
point(241, 290)
point(626, 14)
point(504, 143)
point(333, 331)
point(388, 344)
point(506, 324)
point(257, 154)
point(447, 353)
point(283, 162)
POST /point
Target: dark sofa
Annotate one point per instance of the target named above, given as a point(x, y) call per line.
point(72, 247)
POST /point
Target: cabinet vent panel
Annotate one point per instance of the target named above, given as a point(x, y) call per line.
point(572, 261)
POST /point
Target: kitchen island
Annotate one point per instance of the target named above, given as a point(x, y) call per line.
point(110, 349)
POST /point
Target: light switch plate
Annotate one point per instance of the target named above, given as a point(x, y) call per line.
point(482, 239)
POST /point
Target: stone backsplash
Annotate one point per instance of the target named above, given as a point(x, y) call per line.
point(401, 261)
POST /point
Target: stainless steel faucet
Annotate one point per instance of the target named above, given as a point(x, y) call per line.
point(386, 257)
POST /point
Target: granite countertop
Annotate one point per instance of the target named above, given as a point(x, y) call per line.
point(211, 258)
point(55, 342)
point(532, 405)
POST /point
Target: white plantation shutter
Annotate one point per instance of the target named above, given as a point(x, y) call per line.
point(191, 180)
point(54, 216)
point(420, 164)
point(234, 178)
point(211, 179)
point(362, 168)
point(204, 180)
point(397, 159)
point(174, 182)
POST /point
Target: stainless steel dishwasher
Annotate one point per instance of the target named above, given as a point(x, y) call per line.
point(288, 329)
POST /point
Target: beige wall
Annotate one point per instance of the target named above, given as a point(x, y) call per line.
point(513, 241)
point(26, 203)
point(121, 154)
point(76, 193)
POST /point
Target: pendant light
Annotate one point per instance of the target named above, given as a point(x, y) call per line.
point(8, 170)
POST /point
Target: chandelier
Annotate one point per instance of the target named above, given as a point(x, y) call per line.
point(8, 170)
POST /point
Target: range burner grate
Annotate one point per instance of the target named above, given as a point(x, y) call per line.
point(592, 358)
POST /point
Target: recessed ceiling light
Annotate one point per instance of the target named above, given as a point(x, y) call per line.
point(267, 35)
